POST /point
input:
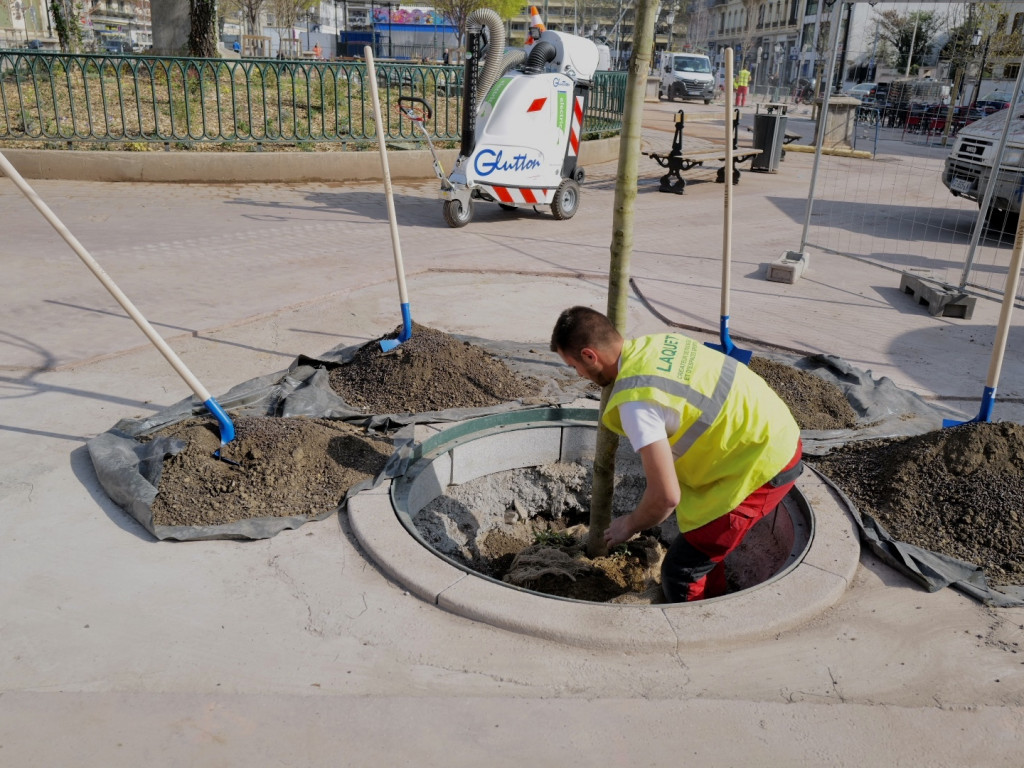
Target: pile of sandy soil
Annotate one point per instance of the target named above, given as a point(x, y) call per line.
point(278, 468)
point(958, 491)
point(432, 371)
point(814, 402)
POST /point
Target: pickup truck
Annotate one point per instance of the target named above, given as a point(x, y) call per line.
point(969, 167)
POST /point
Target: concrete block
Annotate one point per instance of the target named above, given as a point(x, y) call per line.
point(578, 443)
point(940, 298)
point(430, 483)
point(788, 267)
point(505, 450)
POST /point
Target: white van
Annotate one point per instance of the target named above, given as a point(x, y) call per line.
point(969, 165)
point(685, 76)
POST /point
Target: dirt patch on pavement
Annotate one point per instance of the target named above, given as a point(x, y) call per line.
point(284, 467)
point(814, 402)
point(432, 371)
point(958, 491)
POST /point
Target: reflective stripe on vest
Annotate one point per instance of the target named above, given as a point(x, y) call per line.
point(710, 407)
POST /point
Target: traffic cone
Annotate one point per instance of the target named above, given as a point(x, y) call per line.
point(536, 23)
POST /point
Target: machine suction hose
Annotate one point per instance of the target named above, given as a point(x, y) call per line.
point(513, 58)
point(495, 48)
point(542, 53)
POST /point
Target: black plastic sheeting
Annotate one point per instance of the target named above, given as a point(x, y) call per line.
point(129, 468)
point(931, 570)
point(886, 411)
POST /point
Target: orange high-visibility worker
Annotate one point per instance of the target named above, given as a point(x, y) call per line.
point(742, 84)
point(536, 25)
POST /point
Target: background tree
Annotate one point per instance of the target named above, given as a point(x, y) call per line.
point(695, 19)
point(202, 36)
point(65, 20)
point(457, 11)
point(1004, 40)
point(287, 13)
point(251, 10)
point(900, 31)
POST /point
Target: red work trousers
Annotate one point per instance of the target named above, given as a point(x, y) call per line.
point(694, 567)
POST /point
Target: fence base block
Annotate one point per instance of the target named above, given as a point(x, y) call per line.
point(941, 299)
point(788, 267)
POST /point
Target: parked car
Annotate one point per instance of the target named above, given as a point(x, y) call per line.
point(995, 101)
point(117, 47)
point(862, 91)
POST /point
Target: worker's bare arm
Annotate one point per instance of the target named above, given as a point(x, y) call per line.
point(660, 499)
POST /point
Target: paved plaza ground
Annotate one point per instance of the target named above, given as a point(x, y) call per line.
point(298, 650)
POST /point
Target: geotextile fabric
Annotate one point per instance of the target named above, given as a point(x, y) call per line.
point(129, 467)
point(886, 411)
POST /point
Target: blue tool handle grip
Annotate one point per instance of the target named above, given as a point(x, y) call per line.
point(227, 429)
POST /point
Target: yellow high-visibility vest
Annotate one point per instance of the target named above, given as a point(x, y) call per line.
point(735, 433)
point(743, 78)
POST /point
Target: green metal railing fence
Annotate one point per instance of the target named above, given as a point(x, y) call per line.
point(53, 97)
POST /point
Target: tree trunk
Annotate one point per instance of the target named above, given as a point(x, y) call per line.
point(202, 36)
point(621, 253)
point(66, 24)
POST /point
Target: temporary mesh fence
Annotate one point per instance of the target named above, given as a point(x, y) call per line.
point(930, 87)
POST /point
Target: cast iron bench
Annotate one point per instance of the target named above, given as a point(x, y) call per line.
point(677, 160)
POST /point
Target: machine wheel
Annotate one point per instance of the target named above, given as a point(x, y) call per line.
point(567, 200)
point(580, 175)
point(456, 214)
point(508, 206)
point(707, 101)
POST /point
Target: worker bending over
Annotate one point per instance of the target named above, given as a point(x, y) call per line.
point(718, 446)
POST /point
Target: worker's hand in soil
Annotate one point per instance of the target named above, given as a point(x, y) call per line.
point(619, 531)
point(659, 500)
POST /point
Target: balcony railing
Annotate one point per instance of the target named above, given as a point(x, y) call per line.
point(53, 97)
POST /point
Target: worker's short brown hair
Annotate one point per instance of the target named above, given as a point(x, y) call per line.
point(579, 327)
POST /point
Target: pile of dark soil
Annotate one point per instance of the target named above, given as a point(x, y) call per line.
point(432, 371)
point(814, 402)
point(958, 491)
point(284, 467)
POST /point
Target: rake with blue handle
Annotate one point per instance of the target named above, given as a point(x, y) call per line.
point(227, 428)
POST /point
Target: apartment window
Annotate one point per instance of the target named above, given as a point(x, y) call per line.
point(812, 7)
point(1018, 22)
point(1010, 71)
point(760, 16)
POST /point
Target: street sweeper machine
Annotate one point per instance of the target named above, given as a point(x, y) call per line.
point(522, 121)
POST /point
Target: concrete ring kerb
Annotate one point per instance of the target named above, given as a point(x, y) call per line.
point(527, 438)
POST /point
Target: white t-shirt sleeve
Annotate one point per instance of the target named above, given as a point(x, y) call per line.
point(644, 423)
